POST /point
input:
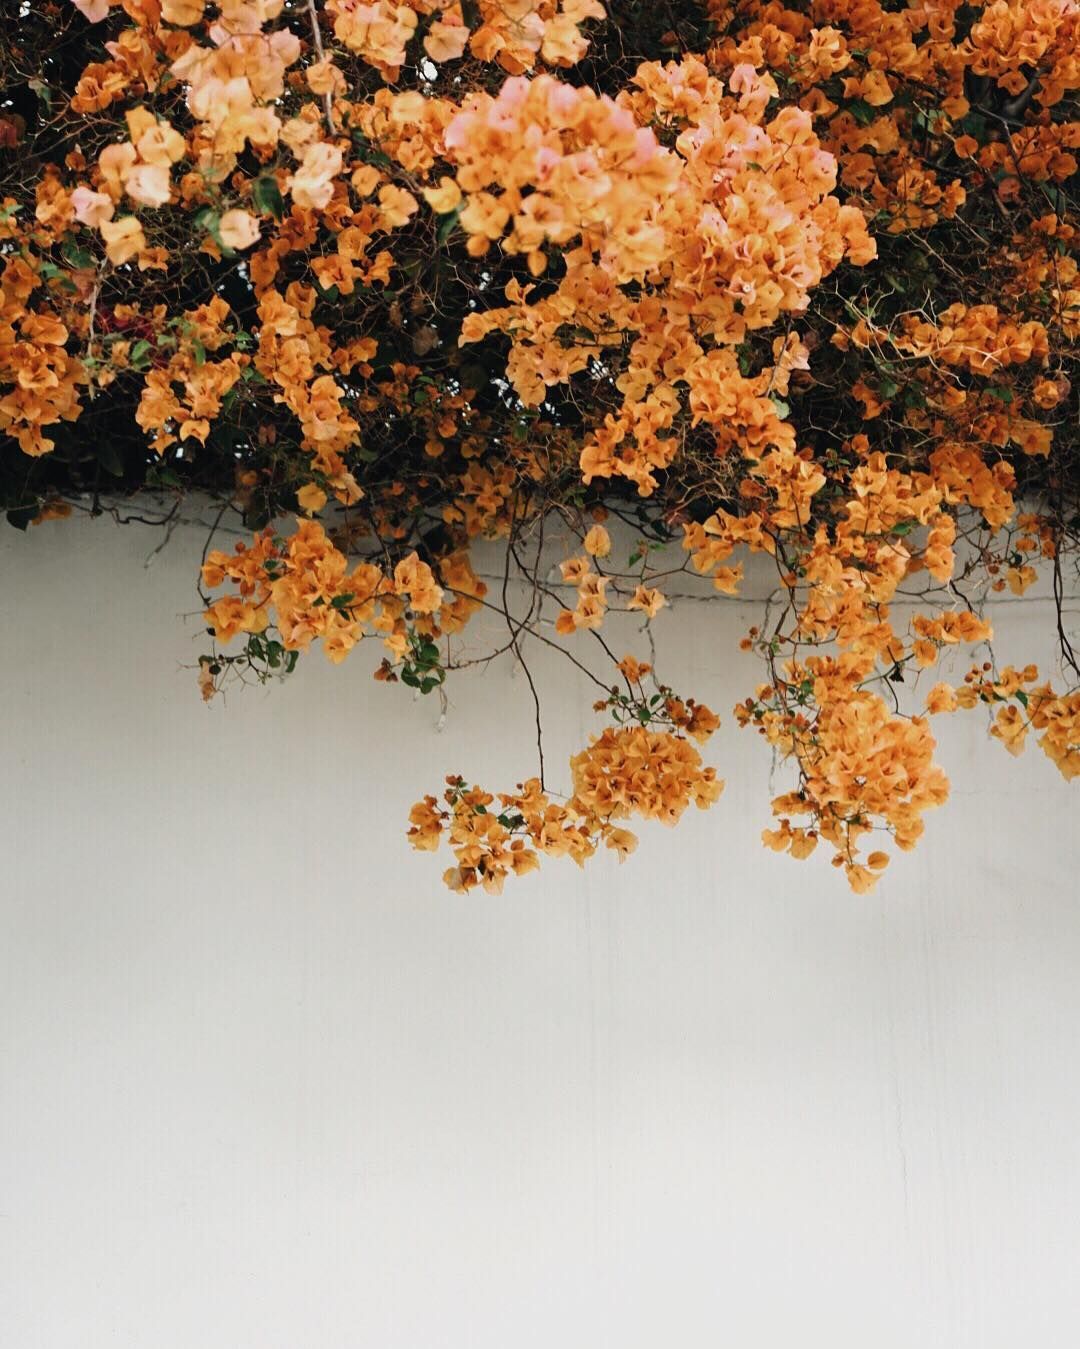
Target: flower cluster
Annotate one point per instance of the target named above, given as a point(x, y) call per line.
point(303, 587)
point(791, 281)
point(626, 772)
point(1021, 705)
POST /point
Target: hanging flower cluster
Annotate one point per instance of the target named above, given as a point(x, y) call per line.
point(646, 768)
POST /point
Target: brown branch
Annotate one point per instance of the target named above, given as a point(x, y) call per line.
point(320, 52)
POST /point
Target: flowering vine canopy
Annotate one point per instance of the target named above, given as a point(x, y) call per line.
point(796, 280)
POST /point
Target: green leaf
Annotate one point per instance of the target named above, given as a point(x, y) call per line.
point(209, 220)
point(159, 475)
point(266, 195)
point(569, 333)
point(447, 225)
point(74, 254)
point(110, 459)
point(369, 154)
point(42, 90)
point(140, 350)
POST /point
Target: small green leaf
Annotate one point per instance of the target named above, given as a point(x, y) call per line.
point(159, 475)
point(369, 154)
point(74, 254)
point(863, 113)
point(139, 351)
point(447, 225)
point(266, 195)
point(209, 220)
point(110, 459)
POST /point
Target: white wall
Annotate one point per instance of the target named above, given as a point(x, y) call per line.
point(265, 1084)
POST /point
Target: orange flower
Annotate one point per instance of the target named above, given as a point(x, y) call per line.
point(416, 579)
point(597, 542)
point(649, 601)
point(124, 239)
point(445, 41)
point(941, 698)
point(311, 498)
point(1011, 728)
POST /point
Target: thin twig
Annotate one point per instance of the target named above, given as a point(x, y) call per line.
point(91, 319)
point(316, 34)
